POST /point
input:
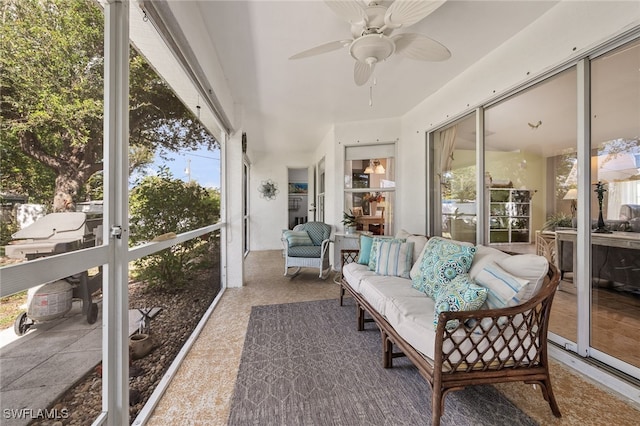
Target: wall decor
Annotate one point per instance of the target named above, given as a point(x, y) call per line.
point(268, 189)
point(298, 188)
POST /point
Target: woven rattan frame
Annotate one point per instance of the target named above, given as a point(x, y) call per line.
point(518, 352)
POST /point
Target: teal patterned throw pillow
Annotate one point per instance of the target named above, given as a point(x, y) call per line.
point(442, 261)
point(461, 294)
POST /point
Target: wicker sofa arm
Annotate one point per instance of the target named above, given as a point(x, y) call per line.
point(348, 256)
point(493, 339)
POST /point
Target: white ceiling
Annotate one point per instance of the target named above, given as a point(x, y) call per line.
point(291, 104)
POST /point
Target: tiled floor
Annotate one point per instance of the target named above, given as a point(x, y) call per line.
point(202, 389)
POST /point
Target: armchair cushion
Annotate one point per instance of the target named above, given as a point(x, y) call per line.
point(318, 232)
point(305, 251)
point(297, 238)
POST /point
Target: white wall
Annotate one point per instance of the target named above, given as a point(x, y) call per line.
point(269, 217)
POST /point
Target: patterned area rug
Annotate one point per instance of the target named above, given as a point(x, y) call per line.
point(305, 364)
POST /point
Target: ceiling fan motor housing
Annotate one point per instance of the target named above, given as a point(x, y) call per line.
point(372, 48)
point(374, 22)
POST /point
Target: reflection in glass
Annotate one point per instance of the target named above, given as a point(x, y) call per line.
point(615, 167)
point(455, 162)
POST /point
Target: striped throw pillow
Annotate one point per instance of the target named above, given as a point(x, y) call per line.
point(394, 258)
point(298, 238)
point(503, 287)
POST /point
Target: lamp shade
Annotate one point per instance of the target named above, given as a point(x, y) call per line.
point(571, 194)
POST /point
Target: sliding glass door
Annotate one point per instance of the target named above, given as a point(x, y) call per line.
point(559, 163)
point(455, 183)
point(615, 206)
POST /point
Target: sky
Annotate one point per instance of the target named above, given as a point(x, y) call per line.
point(204, 166)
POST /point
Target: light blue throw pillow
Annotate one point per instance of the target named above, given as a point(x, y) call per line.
point(394, 258)
point(365, 249)
point(460, 294)
point(442, 261)
point(373, 256)
point(297, 238)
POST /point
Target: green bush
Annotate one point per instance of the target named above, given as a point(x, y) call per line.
point(159, 205)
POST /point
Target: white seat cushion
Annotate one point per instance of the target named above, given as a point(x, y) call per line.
point(412, 318)
point(354, 272)
point(378, 289)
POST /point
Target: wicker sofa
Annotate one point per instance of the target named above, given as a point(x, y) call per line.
point(481, 346)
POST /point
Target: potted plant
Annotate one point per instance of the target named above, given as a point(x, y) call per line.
point(557, 220)
point(349, 221)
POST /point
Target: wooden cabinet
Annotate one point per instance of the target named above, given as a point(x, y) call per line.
point(510, 215)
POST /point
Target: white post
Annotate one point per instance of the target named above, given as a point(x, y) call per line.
point(115, 339)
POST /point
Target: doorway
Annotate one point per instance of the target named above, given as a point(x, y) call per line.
point(298, 196)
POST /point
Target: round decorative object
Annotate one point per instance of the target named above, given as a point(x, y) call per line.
point(268, 189)
point(140, 344)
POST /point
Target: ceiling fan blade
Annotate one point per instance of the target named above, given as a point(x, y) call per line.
point(408, 12)
point(362, 72)
point(420, 47)
point(323, 48)
point(349, 10)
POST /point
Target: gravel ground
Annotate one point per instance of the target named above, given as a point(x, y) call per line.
point(181, 312)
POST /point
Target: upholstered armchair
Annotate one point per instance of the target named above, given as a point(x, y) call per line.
point(307, 245)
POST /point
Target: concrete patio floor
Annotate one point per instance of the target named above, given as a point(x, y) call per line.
point(38, 367)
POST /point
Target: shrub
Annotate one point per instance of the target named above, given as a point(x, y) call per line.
point(159, 205)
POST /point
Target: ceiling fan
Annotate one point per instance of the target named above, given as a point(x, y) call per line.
point(372, 25)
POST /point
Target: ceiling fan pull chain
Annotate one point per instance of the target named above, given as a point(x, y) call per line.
point(370, 96)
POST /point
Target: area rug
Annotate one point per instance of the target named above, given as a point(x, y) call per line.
point(305, 364)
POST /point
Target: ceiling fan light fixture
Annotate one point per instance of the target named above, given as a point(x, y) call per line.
point(375, 168)
point(372, 48)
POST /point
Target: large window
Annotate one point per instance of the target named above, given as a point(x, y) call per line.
point(369, 179)
point(168, 164)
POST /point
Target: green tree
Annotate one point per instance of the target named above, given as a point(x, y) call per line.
point(52, 100)
point(160, 205)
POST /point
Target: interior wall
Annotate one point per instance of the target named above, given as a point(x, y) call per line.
point(270, 217)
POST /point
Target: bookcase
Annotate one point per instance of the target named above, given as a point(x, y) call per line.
point(510, 216)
